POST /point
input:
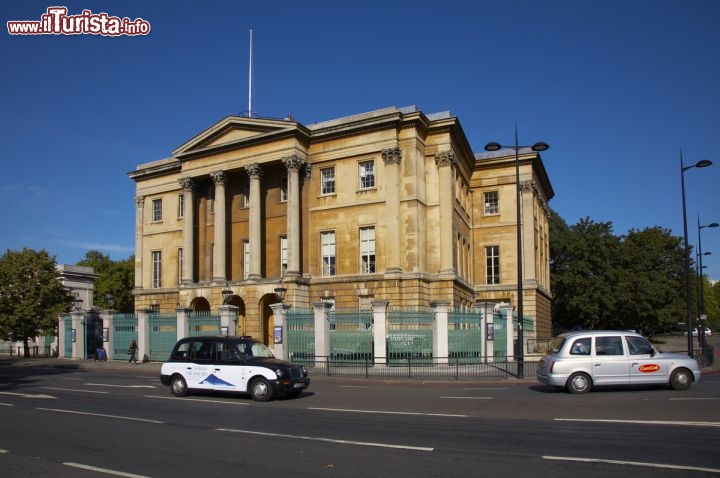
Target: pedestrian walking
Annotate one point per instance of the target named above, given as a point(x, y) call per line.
point(132, 351)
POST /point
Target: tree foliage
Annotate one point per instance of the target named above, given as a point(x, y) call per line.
point(600, 280)
point(31, 295)
point(114, 277)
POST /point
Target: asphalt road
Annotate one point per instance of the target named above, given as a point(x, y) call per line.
point(66, 422)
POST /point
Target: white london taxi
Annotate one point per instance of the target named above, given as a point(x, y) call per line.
point(578, 361)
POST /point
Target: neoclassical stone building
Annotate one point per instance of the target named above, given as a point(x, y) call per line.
point(392, 204)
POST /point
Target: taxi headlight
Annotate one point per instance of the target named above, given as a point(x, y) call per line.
point(279, 372)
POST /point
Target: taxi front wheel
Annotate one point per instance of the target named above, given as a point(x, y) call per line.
point(260, 390)
point(681, 379)
point(178, 386)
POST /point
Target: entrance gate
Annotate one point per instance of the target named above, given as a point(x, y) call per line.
point(410, 336)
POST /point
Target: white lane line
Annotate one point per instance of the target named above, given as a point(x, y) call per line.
point(3, 451)
point(382, 412)
point(691, 399)
point(73, 390)
point(353, 386)
point(27, 395)
point(102, 415)
point(643, 422)
point(119, 386)
point(6, 405)
point(104, 470)
point(484, 388)
point(185, 399)
point(633, 463)
point(328, 440)
point(470, 398)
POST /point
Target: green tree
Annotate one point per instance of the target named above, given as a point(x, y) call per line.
point(31, 295)
point(584, 275)
point(114, 277)
point(651, 280)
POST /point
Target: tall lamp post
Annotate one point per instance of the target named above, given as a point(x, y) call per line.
point(537, 147)
point(703, 163)
point(701, 291)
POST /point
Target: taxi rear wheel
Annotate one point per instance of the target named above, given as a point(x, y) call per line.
point(681, 379)
point(178, 386)
point(260, 390)
point(579, 383)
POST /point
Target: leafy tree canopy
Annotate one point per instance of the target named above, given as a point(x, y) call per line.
point(31, 295)
point(114, 277)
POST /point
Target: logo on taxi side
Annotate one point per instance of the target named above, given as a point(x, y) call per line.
point(650, 367)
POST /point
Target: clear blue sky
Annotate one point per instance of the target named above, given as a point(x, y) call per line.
point(617, 88)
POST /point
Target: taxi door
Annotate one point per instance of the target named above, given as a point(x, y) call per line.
point(229, 369)
point(610, 362)
point(199, 369)
point(644, 365)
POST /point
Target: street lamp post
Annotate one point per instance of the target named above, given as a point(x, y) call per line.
point(540, 146)
point(701, 291)
point(703, 163)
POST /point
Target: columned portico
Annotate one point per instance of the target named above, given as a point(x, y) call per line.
point(254, 172)
point(391, 157)
point(220, 249)
point(293, 164)
point(188, 186)
point(446, 162)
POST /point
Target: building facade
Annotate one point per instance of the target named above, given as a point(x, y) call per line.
point(392, 204)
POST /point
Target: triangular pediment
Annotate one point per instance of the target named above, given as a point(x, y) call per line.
point(234, 131)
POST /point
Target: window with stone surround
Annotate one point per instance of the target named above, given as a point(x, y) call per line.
point(283, 189)
point(283, 255)
point(367, 174)
point(492, 264)
point(181, 206)
point(492, 202)
point(367, 250)
point(327, 181)
point(156, 269)
point(157, 210)
point(246, 259)
point(327, 246)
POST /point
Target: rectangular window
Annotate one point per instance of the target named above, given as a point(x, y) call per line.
point(181, 206)
point(246, 259)
point(327, 181)
point(180, 265)
point(492, 264)
point(157, 210)
point(367, 250)
point(283, 255)
point(492, 205)
point(367, 174)
point(327, 244)
point(156, 269)
point(283, 189)
point(245, 202)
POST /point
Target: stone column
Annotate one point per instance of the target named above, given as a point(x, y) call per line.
point(228, 319)
point(280, 320)
point(322, 332)
point(220, 249)
point(379, 308)
point(107, 318)
point(143, 340)
point(78, 325)
point(139, 224)
point(445, 162)
point(391, 158)
point(487, 325)
point(507, 311)
point(255, 172)
point(440, 330)
point(188, 186)
point(293, 164)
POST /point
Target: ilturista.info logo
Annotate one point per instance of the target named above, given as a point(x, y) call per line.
point(56, 21)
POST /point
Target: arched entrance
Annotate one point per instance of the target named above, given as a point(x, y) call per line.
point(267, 318)
point(199, 304)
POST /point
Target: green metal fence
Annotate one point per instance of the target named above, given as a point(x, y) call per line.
point(465, 337)
point(67, 346)
point(500, 345)
point(124, 331)
point(410, 335)
point(300, 335)
point(203, 323)
point(163, 336)
point(351, 337)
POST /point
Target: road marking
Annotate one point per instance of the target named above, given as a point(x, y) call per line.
point(74, 390)
point(470, 398)
point(679, 399)
point(632, 463)
point(484, 388)
point(3, 451)
point(185, 399)
point(119, 386)
point(74, 412)
point(382, 412)
point(353, 386)
point(6, 404)
point(643, 422)
point(104, 470)
point(27, 395)
point(327, 440)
